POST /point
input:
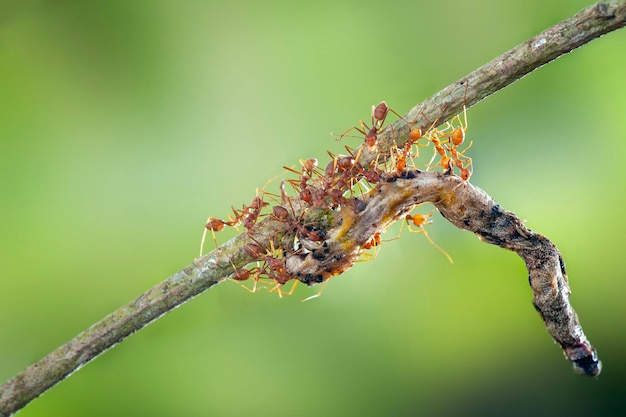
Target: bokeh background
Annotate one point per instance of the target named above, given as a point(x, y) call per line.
point(124, 124)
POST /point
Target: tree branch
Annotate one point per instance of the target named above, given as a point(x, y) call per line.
point(511, 66)
point(331, 234)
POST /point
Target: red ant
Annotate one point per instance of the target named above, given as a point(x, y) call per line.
point(420, 220)
point(446, 144)
point(276, 270)
point(241, 274)
point(373, 242)
point(254, 250)
point(311, 233)
point(326, 184)
point(351, 172)
point(434, 138)
point(371, 175)
point(217, 225)
point(273, 268)
point(247, 216)
point(462, 162)
point(414, 136)
point(306, 195)
point(456, 139)
point(379, 114)
point(214, 225)
point(252, 212)
point(309, 167)
point(244, 274)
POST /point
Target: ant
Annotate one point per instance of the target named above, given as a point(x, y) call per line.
point(244, 274)
point(351, 172)
point(247, 216)
point(309, 232)
point(446, 143)
point(217, 225)
point(462, 162)
point(214, 225)
point(329, 184)
point(309, 168)
point(420, 220)
point(373, 242)
point(272, 267)
point(414, 136)
point(276, 270)
point(379, 114)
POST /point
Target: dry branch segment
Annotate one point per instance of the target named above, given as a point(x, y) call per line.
point(469, 208)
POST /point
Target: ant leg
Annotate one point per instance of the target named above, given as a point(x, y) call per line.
point(349, 130)
point(293, 287)
point(202, 240)
point(420, 220)
point(319, 293)
point(278, 289)
point(250, 290)
point(211, 224)
point(437, 246)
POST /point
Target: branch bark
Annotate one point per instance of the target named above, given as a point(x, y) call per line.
point(361, 218)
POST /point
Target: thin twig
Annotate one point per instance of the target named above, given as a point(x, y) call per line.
point(511, 66)
point(210, 269)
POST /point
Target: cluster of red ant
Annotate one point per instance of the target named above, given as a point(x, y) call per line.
point(446, 143)
point(325, 198)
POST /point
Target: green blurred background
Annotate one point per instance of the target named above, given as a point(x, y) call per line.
point(124, 124)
